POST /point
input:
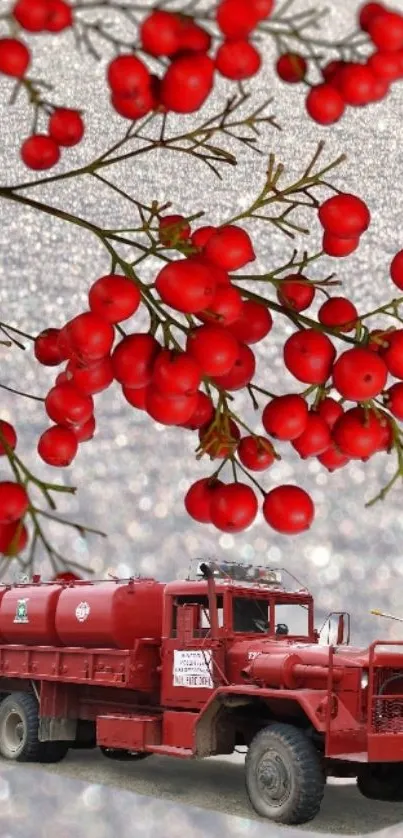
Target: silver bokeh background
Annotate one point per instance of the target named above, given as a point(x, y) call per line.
point(133, 476)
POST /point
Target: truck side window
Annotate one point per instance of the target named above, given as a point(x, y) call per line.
point(204, 620)
point(250, 615)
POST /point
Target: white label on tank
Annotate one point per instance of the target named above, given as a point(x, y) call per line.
point(193, 669)
point(82, 611)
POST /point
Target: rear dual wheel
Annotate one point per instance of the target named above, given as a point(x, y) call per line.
point(124, 756)
point(19, 725)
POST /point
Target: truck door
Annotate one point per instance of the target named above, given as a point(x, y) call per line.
point(192, 662)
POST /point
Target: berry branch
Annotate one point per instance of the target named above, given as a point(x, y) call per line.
point(186, 369)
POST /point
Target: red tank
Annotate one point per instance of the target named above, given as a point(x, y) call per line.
point(27, 615)
point(110, 614)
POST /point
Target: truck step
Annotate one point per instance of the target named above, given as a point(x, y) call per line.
point(170, 751)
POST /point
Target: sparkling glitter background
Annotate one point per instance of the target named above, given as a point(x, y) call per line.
point(133, 476)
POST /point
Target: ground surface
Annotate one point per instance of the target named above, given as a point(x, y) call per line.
point(218, 785)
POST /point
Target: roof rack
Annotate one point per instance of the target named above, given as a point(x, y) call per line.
point(276, 578)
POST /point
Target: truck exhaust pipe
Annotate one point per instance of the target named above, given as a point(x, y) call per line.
point(208, 574)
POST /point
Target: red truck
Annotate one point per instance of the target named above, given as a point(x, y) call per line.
point(200, 667)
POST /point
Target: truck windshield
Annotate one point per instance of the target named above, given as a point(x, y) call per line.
point(253, 616)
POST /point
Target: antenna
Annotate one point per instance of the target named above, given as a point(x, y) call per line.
point(378, 613)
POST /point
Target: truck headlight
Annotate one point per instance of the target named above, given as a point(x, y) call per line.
point(364, 680)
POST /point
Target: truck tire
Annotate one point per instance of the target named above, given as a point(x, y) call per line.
point(285, 779)
point(124, 756)
point(53, 752)
point(19, 728)
point(381, 782)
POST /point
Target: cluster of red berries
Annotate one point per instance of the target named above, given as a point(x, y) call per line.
point(167, 383)
point(65, 126)
point(352, 83)
point(43, 15)
point(65, 129)
point(189, 78)
point(14, 502)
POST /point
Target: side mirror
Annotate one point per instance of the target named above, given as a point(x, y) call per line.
point(335, 631)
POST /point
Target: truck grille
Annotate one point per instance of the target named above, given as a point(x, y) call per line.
point(386, 713)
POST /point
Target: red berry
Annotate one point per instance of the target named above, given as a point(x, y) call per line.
point(356, 84)
point(89, 337)
point(296, 292)
point(329, 410)
point(66, 127)
point(368, 12)
point(91, 378)
point(198, 498)
point(345, 216)
point(192, 37)
point(359, 374)
point(176, 373)
point(60, 16)
point(285, 417)
point(241, 373)
point(387, 433)
point(66, 405)
point(86, 431)
point(233, 507)
point(338, 313)
point(230, 248)
point(335, 246)
point(134, 105)
point(187, 83)
point(332, 458)
point(309, 356)
point(220, 442)
point(32, 15)
point(127, 75)
point(201, 236)
point(114, 298)
point(14, 502)
point(136, 396)
point(225, 308)
point(396, 270)
point(291, 67)
point(221, 276)
point(214, 349)
point(254, 323)
point(40, 152)
point(14, 57)
point(133, 359)
point(58, 446)
point(203, 413)
point(173, 229)
point(255, 453)
point(324, 104)
point(236, 18)
point(169, 410)
point(237, 60)
point(186, 285)
point(392, 354)
point(385, 65)
point(358, 433)
point(46, 348)
point(315, 439)
point(331, 71)
point(393, 399)
point(62, 378)
point(381, 88)
point(288, 509)
point(13, 538)
point(160, 33)
point(262, 8)
point(386, 31)
point(7, 436)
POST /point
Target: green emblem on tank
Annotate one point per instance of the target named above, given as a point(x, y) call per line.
point(21, 613)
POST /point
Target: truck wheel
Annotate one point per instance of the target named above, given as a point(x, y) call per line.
point(285, 780)
point(124, 756)
point(19, 728)
point(381, 782)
